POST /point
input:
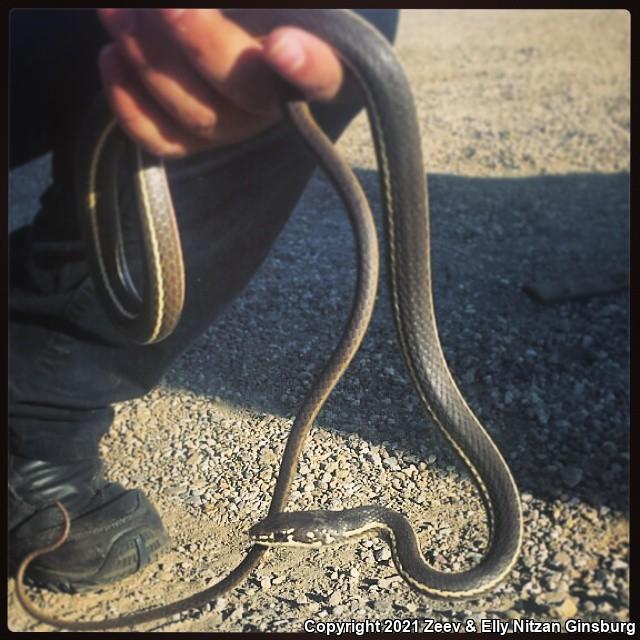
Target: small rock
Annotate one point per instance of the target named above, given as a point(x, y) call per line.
point(143, 413)
point(237, 613)
point(385, 583)
point(567, 609)
point(586, 341)
point(572, 476)
point(391, 463)
point(601, 575)
point(380, 606)
point(267, 456)
point(551, 597)
point(382, 554)
point(194, 459)
point(265, 583)
point(562, 559)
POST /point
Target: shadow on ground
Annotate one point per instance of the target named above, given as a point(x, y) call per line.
point(551, 383)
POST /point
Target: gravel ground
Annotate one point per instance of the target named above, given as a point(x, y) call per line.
point(525, 120)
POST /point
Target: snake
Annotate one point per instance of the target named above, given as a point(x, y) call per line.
point(153, 314)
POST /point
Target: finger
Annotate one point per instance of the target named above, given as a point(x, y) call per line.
point(171, 78)
point(226, 56)
point(306, 61)
point(167, 77)
point(139, 115)
point(127, 71)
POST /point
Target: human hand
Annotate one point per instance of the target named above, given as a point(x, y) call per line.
point(182, 81)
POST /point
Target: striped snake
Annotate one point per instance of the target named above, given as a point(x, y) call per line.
point(147, 319)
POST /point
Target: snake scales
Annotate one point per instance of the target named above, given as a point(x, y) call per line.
point(393, 121)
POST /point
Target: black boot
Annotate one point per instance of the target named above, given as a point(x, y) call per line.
point(114, 531)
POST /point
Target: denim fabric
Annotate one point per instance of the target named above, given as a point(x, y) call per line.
point(67, 363)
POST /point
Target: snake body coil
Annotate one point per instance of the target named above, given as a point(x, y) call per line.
point(396, 135)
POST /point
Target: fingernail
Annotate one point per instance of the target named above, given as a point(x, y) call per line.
point(287, 53)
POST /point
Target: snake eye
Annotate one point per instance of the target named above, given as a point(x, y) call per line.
point(282, 535)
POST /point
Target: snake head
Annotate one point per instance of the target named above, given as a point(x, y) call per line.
point(317, 528)
point(297, 529)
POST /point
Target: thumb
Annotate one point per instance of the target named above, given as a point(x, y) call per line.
point(305, 61)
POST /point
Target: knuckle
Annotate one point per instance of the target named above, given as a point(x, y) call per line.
point(203, 124)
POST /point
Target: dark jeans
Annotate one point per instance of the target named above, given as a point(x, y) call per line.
point(67, 363)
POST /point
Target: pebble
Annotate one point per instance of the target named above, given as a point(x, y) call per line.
point(385, 583)
point(381, 607)
point(553, 597)
point(568, 609)
point(391, 463)
point(572, 476)
point(236, 613)
point(265, 584)
point(382, 555)
point(605, 607)
point(562, 559)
